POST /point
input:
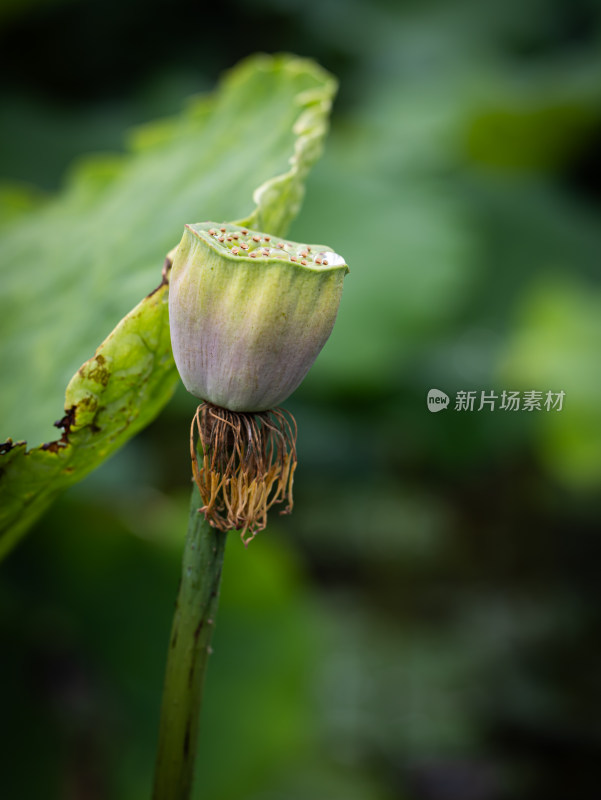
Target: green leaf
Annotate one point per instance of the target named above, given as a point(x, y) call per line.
point(74, 266)
point(555, 347)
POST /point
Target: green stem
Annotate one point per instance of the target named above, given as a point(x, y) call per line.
point(189, 649)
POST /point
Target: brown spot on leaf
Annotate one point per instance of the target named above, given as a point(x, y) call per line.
point(100, 373)
point(88, 404)
point(67, 422)
point(53, 447)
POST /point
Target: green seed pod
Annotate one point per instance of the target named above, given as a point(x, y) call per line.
point(249, 313)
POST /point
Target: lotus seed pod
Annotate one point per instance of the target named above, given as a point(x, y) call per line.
point(249, 313)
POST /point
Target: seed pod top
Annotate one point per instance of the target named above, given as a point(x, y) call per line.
point(249, 313)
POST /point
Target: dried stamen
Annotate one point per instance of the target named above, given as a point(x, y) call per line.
point(248, 464)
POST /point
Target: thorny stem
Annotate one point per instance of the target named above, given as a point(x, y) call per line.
point(189, 648)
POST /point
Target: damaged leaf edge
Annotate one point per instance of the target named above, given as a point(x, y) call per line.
point(269, 215)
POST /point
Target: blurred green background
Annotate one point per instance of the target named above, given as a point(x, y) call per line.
point(426, 624)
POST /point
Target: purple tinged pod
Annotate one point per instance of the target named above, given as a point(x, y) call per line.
point(249, 313)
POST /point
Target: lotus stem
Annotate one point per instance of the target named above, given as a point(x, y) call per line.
point(188, 655)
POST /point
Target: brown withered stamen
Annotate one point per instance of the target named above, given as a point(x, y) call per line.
point(248, 463)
